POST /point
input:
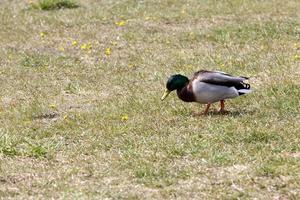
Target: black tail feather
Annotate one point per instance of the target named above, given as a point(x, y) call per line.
point(247, 86)
point(242, 85)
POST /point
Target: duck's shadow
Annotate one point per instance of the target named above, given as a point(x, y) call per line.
point(225, 113)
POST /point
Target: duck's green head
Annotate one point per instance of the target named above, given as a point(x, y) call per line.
point(175, 82)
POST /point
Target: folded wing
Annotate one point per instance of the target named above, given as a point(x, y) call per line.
point(221, 78)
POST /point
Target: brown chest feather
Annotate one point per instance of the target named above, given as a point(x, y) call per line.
point(186, 94)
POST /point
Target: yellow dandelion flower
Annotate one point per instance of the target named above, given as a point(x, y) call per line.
point(65, 117)
point(42, 34)
point(107, 51)
point(124, 118)
point(74, 42)
point(297, 57)
point(120, 23)
point(83, 46)
point(61, 48)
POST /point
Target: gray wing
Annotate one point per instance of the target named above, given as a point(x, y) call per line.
point(220, 78)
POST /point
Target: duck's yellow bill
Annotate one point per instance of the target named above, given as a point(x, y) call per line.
point(167, 92)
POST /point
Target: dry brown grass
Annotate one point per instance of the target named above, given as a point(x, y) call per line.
point(80, 122)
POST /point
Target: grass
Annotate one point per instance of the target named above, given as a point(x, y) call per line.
point(80, 108)
point(55, 4)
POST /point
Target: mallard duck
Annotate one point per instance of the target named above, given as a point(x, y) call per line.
point(207, 87)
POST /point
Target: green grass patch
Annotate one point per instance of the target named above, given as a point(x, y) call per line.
point(249, 32)
point(278, 166)
point(35, 61)
point(56, 4)
point(37, 151)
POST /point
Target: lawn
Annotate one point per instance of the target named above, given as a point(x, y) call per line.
point(80, 109)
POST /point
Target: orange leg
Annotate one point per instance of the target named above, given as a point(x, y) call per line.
point(222, 104)
point(206, 109)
